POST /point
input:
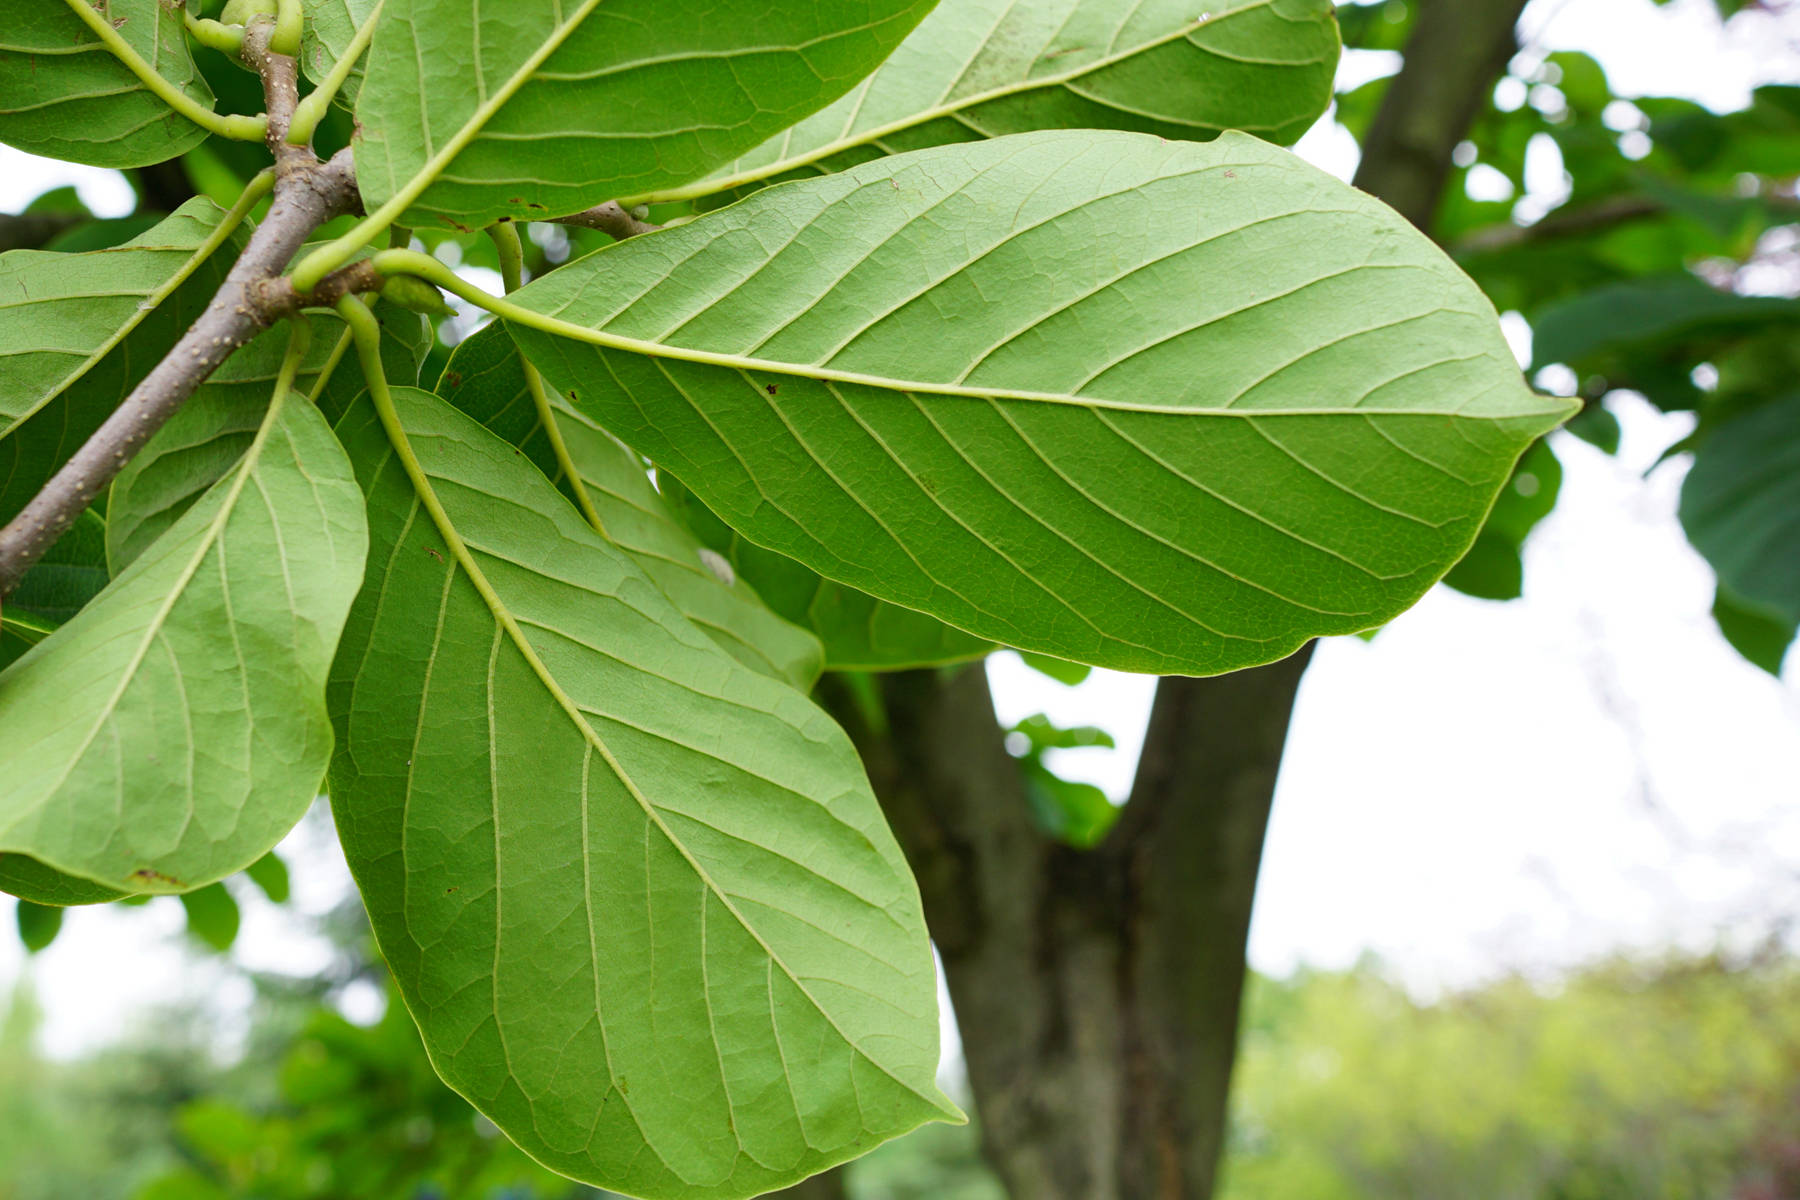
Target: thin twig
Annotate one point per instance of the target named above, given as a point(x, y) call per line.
point(611, 219)
point(307, 194)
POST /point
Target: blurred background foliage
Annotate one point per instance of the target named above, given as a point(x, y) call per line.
point(1630, 1080)
point(1667, 265)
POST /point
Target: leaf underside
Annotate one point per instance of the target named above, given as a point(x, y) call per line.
point(859, 632)
point(985, 68)
point(175, 729)
point(485, 378)
point(64, 94)
point(532, 110)
point(1165, 407)
point(638, 897)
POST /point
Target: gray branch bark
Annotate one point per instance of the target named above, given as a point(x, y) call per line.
point(611, 219)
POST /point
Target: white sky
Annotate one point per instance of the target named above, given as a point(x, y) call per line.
point(1485, 787)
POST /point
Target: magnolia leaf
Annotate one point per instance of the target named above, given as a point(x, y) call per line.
point(1643, 312)
point(982, 68)
point(80, 329)
point(1494, 567)
point(212, 916)
point(1761, 635)
point(207, 437)
point(63, 93)
point(72, 572)
point(638, 897)
point(1740, 506)
point(38, 925)
point(325, 38)
point(472, 113)
point(1066, 673)
point(270, 874)
point(30, 879)
point(486, 379)
point(859, 632)
point(175, 728)
point(1199, 403)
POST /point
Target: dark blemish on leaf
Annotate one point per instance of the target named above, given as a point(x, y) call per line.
point(448, 890)
point(770, 388)
point(434, 554)
point(453, 379)
point(146, 875)
point(1231, 174)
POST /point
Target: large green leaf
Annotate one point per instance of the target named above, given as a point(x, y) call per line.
point(638, 896)
point(79, 330)
point(175, 729)
point(982, 68)
point(71, 573)
point(64, 94)
point(1740, 506)
point(859, 632)
point(486, 379)
point(1758, 633)
point(471, 113)
point(1161, 406)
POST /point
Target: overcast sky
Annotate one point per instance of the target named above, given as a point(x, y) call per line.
point(1485, 787)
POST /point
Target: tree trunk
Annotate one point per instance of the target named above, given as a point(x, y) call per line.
point(1098, 992)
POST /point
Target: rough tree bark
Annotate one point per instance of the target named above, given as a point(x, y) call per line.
point(1098, 992)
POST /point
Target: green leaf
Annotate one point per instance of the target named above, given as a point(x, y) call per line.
point(486, 379)
point(270, 874)
point(212, 916)
point(1760, 635)
point(983, 68)
point(175, 729)
point(1200, 402)
point(63, 94)
point(472, 113)
point(1076, 813)
point(30, 879)
point(1740, 506)
point(80, 329)
point(638, 896)
point(72, 572)
point(859, 632)
point(1043, 735)
point(330, 27)
point(1493, 569)
point(38, 925)
point(1596, 425)
point(1645, 312)
point(1064, 672)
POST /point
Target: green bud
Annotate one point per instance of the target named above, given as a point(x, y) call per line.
point(242, 12)
point(415, 295)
